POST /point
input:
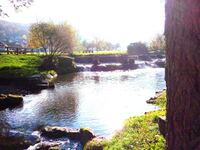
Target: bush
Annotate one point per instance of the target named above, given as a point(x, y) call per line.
point(137, 48)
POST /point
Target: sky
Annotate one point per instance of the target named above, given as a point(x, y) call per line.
point(117, 21)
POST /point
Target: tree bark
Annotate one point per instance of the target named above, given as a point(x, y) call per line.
point(182, 30)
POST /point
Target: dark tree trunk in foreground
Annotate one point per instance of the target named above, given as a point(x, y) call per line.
point(182, 31)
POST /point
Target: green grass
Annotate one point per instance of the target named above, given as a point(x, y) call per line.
point(111, 52)
point(139, 133)
point(14, 66)
point(161, 100)
point(142, 132)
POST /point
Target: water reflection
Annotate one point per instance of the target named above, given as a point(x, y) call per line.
point(98, 100)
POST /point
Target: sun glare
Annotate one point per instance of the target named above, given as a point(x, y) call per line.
point(114, 20)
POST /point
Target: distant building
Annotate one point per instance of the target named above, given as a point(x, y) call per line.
point(2, 46)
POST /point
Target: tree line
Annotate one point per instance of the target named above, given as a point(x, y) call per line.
point(63, 38)
point(99, 45)
point(155, 46)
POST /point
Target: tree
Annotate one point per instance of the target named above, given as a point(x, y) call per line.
point(182, 30)
point(137, 48)
point(54, 39)
point(88, 45)
point(17, 4)
point(98, 44)
point(157, 45)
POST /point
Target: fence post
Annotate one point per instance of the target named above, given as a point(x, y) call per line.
point(7, 50)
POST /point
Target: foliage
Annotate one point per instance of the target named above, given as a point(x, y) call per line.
point(17, 4)
point(140, 132)
point(12, 66)
point(53, 38)
point(157, 45)
point(137, 48)
point(99, 45)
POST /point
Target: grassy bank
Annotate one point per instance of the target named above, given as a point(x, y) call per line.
point(139, 133)
point(113, 52)
point(19, 65)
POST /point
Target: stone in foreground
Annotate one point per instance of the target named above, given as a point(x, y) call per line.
point(162, 123)
point(14, 140)
point(83, 135)
point(10, 101)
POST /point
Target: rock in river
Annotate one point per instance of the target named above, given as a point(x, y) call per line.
point(82, 135)
point(14, 140)
point(45, 146)
point(10, 101)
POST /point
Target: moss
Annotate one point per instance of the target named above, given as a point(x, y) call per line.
point(52, 72)
point(96, 144)
point(54, 148)
point(141, 132)
point(85, 130)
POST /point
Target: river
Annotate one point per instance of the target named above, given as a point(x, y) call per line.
point(98, 100)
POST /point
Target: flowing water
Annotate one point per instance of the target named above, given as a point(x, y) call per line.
point(98, 100)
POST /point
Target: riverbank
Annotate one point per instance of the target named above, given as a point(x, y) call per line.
point(19, 66)
point(23, 66)
point(22, 73)
point(141, 132)
point(70, 104)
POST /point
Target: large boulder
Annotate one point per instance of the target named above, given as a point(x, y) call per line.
point(58, 132)
point(40, 81)
point(83, 135)
point(65, 65)
point(10, 101)
point(15, 140)
point(61, 64)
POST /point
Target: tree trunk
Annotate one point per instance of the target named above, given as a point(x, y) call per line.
point(182, 30)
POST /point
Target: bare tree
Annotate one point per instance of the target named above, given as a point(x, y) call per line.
point(54, 39)
point(63, 41)
point(158, 44)
point(17, 4)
